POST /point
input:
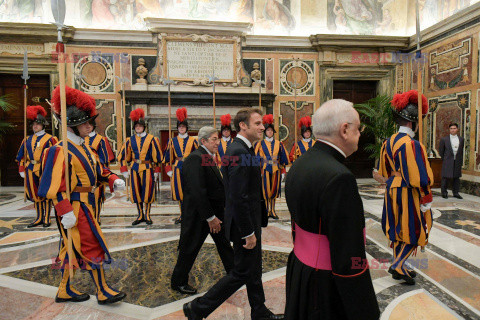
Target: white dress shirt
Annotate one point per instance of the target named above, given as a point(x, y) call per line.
point(455, 142)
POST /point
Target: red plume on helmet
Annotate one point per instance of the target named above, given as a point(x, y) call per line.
point(305, 122)
point(137, 114)
point(181, 114)
point(34, 111)
point(226, 120)
point(74, 97)
point(268, 119)
point(401, 100)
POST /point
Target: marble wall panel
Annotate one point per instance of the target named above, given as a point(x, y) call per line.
point(450, 65)
point(287, 120)
point(107, 121)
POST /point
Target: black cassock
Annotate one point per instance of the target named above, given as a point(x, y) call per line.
point(322, 194)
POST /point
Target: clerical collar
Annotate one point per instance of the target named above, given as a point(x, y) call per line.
point(307, 140)
point(183, 136)
point(141, 135)
point(249, 144)
point(333, 146)
point(211, 154)
point(226, 138)
point(406, 130)
point(40, 133)
point(92, 134)
point(74, 138)
point(269, 139)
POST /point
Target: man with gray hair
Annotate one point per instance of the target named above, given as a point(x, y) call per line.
point(327, 271)
point(204, 201)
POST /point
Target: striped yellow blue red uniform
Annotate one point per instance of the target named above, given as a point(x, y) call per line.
point(178, 149)
point(302, 147)
point(404, 162)
point(100, 145)
point(274, 159)
point(222, 148)
point(31, 165)
point(89, 246)
point(145, 155)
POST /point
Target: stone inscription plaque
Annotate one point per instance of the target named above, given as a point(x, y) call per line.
point(188, 60)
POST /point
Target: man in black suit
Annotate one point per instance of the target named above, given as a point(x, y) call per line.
point(204, 204)
point(451, 151)
point(245, 215)
point(327, 273)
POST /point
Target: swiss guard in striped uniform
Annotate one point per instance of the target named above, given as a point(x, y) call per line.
point(403, 166)
point(100, 145)
point(178, 148)
point(274, 159)
point(305, 125)
point(226, 130)
point(143, 151)
point(78, 213)
point(29, 163)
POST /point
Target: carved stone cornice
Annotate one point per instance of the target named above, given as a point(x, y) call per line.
point(33, 32)
point(160, 25)
point(331, 42)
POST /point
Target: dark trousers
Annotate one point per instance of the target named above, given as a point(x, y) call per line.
point(247, 271)
point(192, 236)
point(456, 185)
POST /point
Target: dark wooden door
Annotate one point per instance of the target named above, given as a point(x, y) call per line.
point(38, 86)
point(358, 92)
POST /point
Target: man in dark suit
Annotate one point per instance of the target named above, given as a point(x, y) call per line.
point(245, 215)
point(204, 204)
point(327, 273)
point(451, 151)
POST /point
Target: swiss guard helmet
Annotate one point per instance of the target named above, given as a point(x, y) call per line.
point(182, 117)
point(81, 107)
point(138, 117)
point(37, 114)
point(268, 122)
point(305, 124)
point(226, 121)
point(405, 106)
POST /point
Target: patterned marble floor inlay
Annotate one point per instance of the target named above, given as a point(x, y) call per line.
point(447, 285)
point(145, 272)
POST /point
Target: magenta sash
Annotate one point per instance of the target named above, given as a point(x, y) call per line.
point(314, 249)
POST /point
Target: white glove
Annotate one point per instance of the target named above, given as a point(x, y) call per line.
point(126, 174)
point(157, 175)
point(118, 184)
point(283, 176)
point(425, 207)
point(170, 173)
point(22, 174)
point(69, 220)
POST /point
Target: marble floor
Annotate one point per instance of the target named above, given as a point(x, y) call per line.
point(448, 281)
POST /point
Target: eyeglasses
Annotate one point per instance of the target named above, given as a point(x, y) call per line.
point(360, 128)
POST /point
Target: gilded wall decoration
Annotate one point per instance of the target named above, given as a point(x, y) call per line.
point(450, 65)
point(301, 72)
point(94, 73)
point(107, 121)
point(443, 111)
point(287, 112)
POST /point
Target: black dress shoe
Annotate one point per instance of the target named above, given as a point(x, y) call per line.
point(444, 196)
point(178, 220)
point(412, 273)
point(119, 296)
point(134, 223)
point(148, 221)
point(458, 196)
point(408, 280)
point(46, 225)
point(397, 276)
point(78, 298)
point(188, 312)
point(33, 224)
point(186, 289)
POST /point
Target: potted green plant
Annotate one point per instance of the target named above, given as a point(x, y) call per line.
point(377, 116)
point(7, 103)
